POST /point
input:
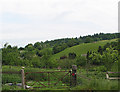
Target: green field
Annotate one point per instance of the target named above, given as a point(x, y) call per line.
point(86, 80)
point(81, 49)
point(89, 77)
point(32, 78)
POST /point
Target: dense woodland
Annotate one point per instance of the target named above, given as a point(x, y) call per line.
point(39, 54)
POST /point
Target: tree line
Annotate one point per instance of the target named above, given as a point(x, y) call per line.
point(38, 54)
point(107, 56)
point(61, 44)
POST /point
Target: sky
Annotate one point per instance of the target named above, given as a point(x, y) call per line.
point(30, 21)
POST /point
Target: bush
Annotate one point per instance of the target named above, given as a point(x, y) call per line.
point(101, 69)
point(66, 63)
point(81, 61)
point(72, 55)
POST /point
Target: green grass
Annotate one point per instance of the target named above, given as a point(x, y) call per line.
point(98, 84)
point(98, 79)
point(59, 85)
point(16, 78)
point(81, 49)
point(93, 80)
point(34, 77)
point(27, 69)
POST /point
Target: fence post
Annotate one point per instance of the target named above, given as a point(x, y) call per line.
point(74, 75)
point(70, 71)
point(23, 78)
point(107, 76)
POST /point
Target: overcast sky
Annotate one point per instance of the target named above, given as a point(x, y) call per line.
point(29, 21)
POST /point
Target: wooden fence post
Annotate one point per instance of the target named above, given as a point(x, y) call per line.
point(74, 75)
point(107, 76)
point(23, 78)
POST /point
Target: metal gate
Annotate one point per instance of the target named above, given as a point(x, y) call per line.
point(48, 79)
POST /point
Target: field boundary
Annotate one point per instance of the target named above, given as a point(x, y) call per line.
point(112, 78)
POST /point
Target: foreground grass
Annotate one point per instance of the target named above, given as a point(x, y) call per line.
point(99, 84)
point(91, 80)
point(16, 78)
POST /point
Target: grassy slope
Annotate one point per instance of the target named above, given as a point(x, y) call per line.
point(81, 49)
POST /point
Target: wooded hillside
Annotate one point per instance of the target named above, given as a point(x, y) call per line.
point(51, 54)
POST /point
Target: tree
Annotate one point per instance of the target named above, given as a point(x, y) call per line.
point(108, 58)
point(72, 55)
point(10, 56)
point(100, 50)
point(5, 45)
point(29, 47)
point(9, 47)
point(88, 40)
point(21, 48)
point(88, 53)
point(72, 42)
point(118, 46)
point(38, 45)
point(81, 61)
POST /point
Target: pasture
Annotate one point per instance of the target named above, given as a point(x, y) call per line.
point(90, 79)
point(81, 49)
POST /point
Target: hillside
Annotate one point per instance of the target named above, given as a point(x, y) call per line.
point(82, 48)
point(44, 54)
point(104, 56)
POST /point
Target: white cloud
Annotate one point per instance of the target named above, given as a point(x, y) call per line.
point(51, 19)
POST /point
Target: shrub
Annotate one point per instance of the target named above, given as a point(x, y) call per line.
point(72, 55)
point(101, 69)
point(81, 61)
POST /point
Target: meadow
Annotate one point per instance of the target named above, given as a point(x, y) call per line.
point(82, 48)
point(87, 79)
point(90, 76)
